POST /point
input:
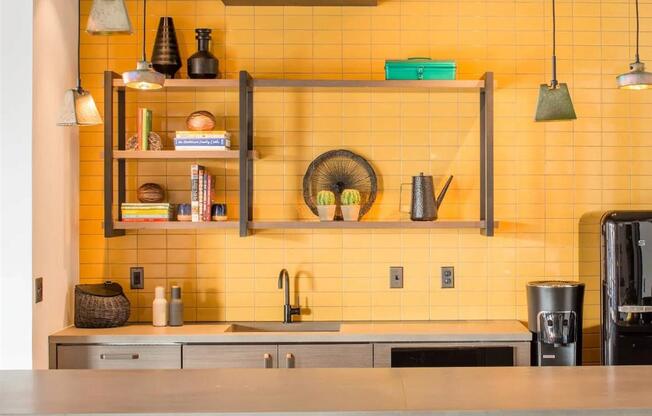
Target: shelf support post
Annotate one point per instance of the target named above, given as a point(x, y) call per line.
point(109, 76)
point(246, 149)
point(487, 154)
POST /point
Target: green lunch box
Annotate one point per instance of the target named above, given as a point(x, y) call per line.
point(419, 68)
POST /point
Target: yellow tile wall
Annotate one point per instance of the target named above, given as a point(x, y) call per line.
point(547, 175)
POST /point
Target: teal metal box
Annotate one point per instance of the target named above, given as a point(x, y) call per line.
point(419, 68)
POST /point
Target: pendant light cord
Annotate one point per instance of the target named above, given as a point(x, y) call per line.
point(79, 87)
point(554, 83)
point(144, 27)
point(637, 33)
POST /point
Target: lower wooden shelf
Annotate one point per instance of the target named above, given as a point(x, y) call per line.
point(262, 225)
point(173, 225)
point(301, 224)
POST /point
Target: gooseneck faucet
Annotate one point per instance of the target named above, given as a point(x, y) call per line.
point(288, 310)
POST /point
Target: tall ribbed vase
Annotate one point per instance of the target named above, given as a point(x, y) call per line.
point(165, 55)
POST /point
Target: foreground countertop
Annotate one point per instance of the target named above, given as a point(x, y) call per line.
point(418, 391)
point(417, 331)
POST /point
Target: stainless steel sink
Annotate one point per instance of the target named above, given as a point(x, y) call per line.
point(281, 327)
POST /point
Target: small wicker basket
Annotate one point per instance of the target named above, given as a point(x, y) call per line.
point(100, 306)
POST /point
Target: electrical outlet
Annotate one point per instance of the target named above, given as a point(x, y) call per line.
point(395, 277)
point(137, 277)
point(447, 277)
point(38, 290)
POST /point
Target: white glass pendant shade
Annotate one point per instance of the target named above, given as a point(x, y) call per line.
point(108, 17)
point(636, 79)
point(143, 77)
point(79, 109)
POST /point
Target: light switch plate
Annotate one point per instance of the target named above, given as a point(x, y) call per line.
point(396, 277)
point(137, 277)
point(447, 277)
point(38, 290)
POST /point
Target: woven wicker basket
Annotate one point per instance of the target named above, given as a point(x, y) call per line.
point(100, 306)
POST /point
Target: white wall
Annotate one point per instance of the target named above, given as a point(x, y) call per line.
point(15, 184)
point(55, 171)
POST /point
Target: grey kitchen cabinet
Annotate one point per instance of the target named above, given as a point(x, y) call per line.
point(325, 355)
point(118, 357)
point(230, 356)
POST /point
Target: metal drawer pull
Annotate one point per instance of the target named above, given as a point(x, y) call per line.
point(289, 360)
point(119, 356)
point(267, 363)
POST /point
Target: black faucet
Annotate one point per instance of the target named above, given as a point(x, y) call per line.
point(288, 310)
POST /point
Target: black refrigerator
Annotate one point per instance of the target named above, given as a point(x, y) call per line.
point(626, 270)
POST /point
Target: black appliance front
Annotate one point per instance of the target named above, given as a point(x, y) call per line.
point(453, 357)
point(626, 257)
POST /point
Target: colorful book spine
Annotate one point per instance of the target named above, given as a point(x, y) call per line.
point(203, 134)
point(213, 141)
point(194, 192)
point(200, 148)
point(145, 219)
point(209, 197)
point(144, 127)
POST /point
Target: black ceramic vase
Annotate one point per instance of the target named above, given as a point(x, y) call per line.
point(165, 55)
point(203, 64)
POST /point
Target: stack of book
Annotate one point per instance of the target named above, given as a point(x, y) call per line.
point(201, 194)
point(144, 127)
point(138, 212)
point(202, 140)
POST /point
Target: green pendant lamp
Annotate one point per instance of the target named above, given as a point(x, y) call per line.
point(79, 107)
point(108, 17)
point(637, 78)
point(143, 77)
point(554, 103)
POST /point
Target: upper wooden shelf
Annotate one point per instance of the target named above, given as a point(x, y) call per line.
point(343, 3)
point(299, 224)
point(180, 154)
point(320, 83)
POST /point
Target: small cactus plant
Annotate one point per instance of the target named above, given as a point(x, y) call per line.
point(350, 197)
point(325, 198)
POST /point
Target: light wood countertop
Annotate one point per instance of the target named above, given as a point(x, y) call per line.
point(413, 331)
point(433, 391)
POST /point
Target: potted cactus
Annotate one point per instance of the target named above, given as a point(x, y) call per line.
point(326, 205)
point(350, 204)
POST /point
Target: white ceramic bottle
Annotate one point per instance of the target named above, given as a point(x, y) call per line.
point(159, 307)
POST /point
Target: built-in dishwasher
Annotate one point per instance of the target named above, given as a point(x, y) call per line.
point(468, 354)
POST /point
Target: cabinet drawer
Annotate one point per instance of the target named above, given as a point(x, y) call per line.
point(325, 355)
point(229, 356)
point(118, 356)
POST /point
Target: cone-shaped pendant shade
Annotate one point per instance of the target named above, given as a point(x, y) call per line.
point(554, 103)
point(143, 77)
point(636, 79)
point(108, 17)
point(79, 109)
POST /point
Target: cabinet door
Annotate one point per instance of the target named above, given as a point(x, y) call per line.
point(118, 356)
point(325, 355)
point(229, 356)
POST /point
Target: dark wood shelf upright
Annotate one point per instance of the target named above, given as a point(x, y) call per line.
point(109, 76)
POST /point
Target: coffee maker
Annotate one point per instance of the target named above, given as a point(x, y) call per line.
point(555, 320)
point(626, 257)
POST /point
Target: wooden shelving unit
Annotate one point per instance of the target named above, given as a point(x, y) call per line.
point(180, 154)
point(175, 225)
point(246, 155)
point(310, 224)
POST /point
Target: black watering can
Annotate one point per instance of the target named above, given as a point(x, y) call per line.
point(424, 205)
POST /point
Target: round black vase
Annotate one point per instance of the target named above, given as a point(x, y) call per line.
point(165, 55)
point(202, 64)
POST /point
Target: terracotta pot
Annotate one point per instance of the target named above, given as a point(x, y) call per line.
point(351, 212)
point(326, 212)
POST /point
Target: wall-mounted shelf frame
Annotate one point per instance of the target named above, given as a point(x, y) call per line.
point(246, 155)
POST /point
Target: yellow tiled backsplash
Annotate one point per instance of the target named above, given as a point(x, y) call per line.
point(547, 175)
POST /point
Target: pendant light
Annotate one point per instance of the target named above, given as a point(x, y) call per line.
point(554, 103)
point(79, 107)
point(108, 17)
point(637, 78)
point(144, 77)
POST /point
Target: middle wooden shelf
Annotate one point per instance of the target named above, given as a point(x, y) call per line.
point(181, 154)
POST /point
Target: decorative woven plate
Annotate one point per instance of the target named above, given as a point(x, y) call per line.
point(337, 170)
